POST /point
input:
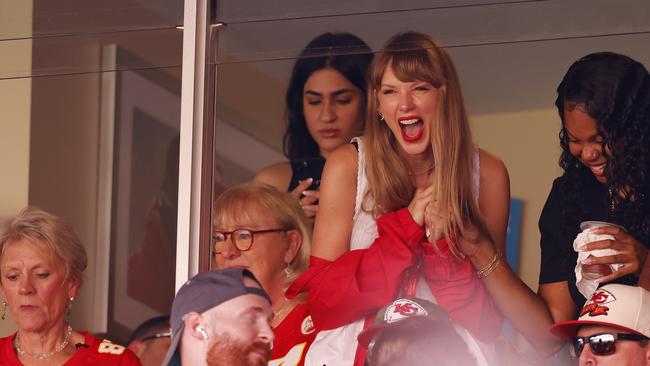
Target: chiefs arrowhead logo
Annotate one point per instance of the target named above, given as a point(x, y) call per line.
point(601, 297)
point(307, 326)
point(594, 307)
point(403, 308)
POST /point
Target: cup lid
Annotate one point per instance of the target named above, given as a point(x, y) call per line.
point(594, 224)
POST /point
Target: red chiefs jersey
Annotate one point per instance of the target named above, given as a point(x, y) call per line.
point(292, 338)
point(99, 352)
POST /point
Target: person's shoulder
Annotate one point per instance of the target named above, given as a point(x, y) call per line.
point(7, 353)
point(491, 165)
point(493, 170)
point(550, 219)
point(344, 158)
point(278, 175)
point(558, 187)
point(6, 339)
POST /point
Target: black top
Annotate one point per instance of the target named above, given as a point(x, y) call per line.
point(559, 228)
point(293, 183)
point(303, 168)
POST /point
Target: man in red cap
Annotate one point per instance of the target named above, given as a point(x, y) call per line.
point(613, 328)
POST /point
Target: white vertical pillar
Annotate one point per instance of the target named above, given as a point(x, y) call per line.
point(195, 25)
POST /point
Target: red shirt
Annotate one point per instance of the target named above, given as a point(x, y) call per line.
point(99, 352)
point(292, 338)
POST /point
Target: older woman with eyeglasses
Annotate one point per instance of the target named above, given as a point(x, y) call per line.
point(266, 231)
point(41, 267)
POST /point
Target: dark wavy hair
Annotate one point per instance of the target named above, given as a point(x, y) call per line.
point(343, 52)
point(614, 90)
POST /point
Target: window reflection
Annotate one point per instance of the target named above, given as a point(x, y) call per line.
point(115, 182)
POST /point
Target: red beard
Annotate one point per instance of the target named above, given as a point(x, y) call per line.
point(226, 351)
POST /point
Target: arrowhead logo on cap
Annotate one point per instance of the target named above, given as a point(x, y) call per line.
point(403, 308)
point(594, 307)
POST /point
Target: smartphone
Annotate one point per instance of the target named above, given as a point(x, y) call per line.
point(304, 168)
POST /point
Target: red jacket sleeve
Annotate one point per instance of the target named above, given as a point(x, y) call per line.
point(454, 283)
point(361, 281)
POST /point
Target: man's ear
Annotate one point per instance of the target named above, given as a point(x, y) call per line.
point(136, 347)
point(295, 242)
point(193, 326)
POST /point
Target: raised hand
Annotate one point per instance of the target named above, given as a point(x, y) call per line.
point(434, 220)
point(632, 254)
point(307, 198)
point(421, 199)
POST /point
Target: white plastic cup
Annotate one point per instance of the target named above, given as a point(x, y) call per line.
point(595, 271)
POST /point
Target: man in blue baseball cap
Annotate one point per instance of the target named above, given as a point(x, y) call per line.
point(221, 318)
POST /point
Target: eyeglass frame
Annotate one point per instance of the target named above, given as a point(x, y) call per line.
point(575, 342)
point(156, 336)
point(253, 233)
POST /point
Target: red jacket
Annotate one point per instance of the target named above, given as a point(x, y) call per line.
point(359, 282)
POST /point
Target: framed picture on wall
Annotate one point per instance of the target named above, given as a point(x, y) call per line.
point(140, 147)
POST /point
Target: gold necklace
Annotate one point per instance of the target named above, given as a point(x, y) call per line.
point(612, 203)
point(289, 305)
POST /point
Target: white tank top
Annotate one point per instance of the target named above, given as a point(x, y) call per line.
point(338, 346)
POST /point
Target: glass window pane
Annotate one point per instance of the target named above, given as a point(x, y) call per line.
point(93, 99)
point(510, 57)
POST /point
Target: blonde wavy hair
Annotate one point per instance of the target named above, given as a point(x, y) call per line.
point(50, 232)
point(416, 56)
point(241, 201)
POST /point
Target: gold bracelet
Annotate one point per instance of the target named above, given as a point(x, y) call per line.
point(487, 270)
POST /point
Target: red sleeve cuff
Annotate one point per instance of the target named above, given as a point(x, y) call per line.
point(406, 227)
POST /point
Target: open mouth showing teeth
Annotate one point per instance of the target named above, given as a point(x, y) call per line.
point(598, 170)
point(412, 129)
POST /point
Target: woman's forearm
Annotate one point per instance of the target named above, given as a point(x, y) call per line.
point(527, 312)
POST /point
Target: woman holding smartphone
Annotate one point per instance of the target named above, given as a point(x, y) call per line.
point(325, 102)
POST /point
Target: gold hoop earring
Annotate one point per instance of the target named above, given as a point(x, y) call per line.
point(4, 310)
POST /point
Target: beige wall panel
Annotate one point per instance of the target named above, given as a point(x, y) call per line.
point(15, 105)
point(63, 166)
point(527, 143)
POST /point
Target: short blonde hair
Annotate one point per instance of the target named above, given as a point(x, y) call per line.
point(50, 231)
point(241, 200)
